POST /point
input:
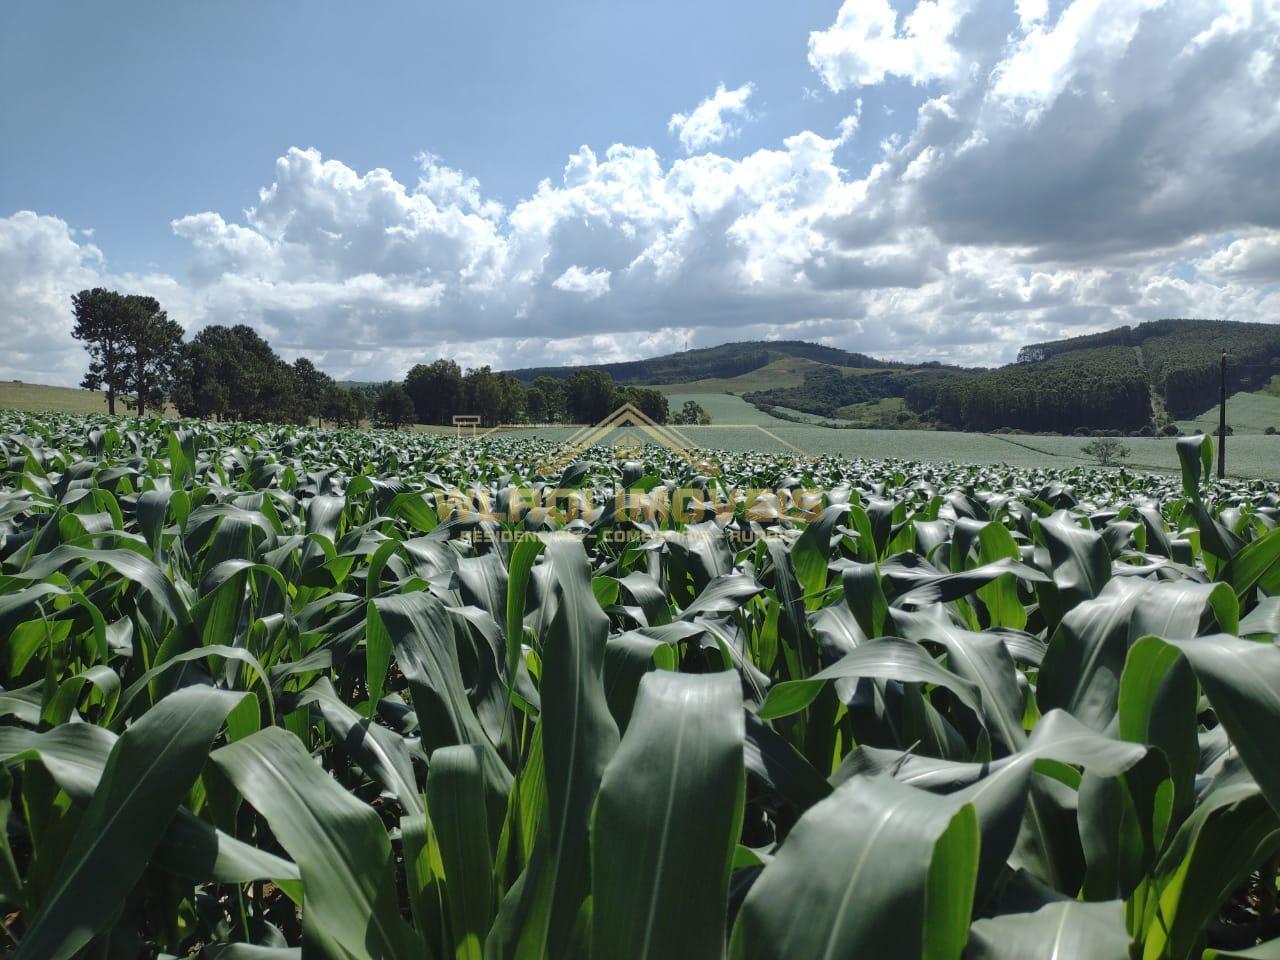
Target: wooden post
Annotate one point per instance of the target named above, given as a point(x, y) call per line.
point(1222, 420)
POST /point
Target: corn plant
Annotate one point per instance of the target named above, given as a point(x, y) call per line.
point(278, 693)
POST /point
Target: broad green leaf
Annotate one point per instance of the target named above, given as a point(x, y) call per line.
point(812, 551)
point(888, 658)
point(1257, 564)
point(1242, 681)
point(422, 633)
point(456, 803)
point(341, 847)
point(667, 820)
point(379, 751)
point(876, 869)
point(539, 915)
point(1081, 565)
point(1196, 454)
point(150, 769)
point(1230, 834)
point(1060, 931)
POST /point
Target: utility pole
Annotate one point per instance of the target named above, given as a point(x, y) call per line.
point(1222, 420)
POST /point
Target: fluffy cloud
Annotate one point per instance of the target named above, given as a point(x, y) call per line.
point(864, 45)
point(1253, 259)
point(41, 264)
point(1063, 168)
point(590, 284)
point(713, 120)
point(1115, 129)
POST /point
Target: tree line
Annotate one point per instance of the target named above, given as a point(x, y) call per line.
point(825, 390)
point(1098, 388)
point(441, 389)
point(720, 362)
point(140, 359)
point(1184, 359)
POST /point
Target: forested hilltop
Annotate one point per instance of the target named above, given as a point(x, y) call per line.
point(725, 360)
point(1126, 379)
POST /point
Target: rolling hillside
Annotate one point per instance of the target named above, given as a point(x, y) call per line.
point(38, 398)
point(1145, 378)
point(1247, 412)
point(781, 373)
point(1159, 376)
point(729, 360)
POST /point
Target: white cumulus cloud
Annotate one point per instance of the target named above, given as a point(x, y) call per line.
point(865, 43)
point(592, 284)
point(1071, 166)
point(714, 120)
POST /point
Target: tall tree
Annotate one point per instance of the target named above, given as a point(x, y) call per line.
point(652, 403)
point(536, 405)
point(200, 391)
point(590, 395)
point(436, 390)
point(347, 406)
point(103, 323)
point(315, 390)
point(554, 400)
point(154, 355)
point(496, 397)
point(232, 372)
point(394, 407)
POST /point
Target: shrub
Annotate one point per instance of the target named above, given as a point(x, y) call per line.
point(1106, 450)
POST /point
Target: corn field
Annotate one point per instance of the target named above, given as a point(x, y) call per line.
point(272, 693)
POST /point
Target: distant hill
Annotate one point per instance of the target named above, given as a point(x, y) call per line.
point(1145, 377)
point(1129, 378)
point(40, 398)
point(786, 372)
point(1155, 376)
point(725, 361)
point(827, 390)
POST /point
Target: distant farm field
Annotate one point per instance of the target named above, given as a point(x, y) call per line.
point(723, 407)
point(737, 425)
point(38, 398)
point(785, 372)
point(1246, 412)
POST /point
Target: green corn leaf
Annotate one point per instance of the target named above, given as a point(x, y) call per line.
point(341, 847)
point(667, 819)
point(876, 869)
point(150, 769)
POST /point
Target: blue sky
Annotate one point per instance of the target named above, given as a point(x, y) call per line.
point(150, 110)
point(519, 183)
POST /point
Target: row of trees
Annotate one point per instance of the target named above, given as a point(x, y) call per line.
point(232, 373)
point(135, 350)
point(138, 356)
point(439, 390)
point(826, 389)
point(1184, 358)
